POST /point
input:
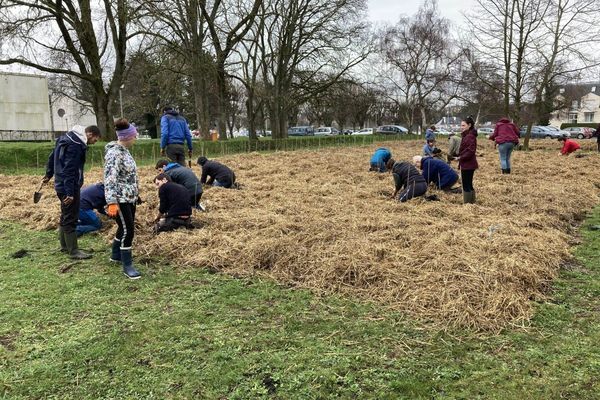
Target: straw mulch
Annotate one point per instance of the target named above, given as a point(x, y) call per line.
point(320, 220)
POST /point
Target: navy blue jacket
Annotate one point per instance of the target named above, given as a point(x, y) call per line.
point(174, 130)
point(174, 200)
point(92, 198)
point(216, 171)
point(438, 172)
point(66, 163)
point(405, 175)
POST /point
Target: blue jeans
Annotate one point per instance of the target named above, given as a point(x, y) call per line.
point(88, 222)
point(505, 150)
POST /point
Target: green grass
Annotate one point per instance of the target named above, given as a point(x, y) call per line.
point(82, 331)
point(30, 158)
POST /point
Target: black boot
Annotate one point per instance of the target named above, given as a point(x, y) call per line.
point(73, 250)
point(61, 239)
point(503, 171)
point(115, 255)
point(128, 270)
point(469, 197)
point(508, 170)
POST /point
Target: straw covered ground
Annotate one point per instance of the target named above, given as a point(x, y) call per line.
point(320, 220)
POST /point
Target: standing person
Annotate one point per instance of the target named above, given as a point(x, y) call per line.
point(183, 176)
point(569, 146)
point(122, 194)
point(174, 132)
point(379, 159)
point(92, 198)
point(597, 134)
point(506, 135)
point(216, 174)
point(467, 158)
point(430, 133)
point(453, 146)
point(174, 211)
point(66, 164)
point(436, 171)
point(407, 180)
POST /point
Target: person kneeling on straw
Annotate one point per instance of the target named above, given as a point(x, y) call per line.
point(407, 180)
point(174, 209)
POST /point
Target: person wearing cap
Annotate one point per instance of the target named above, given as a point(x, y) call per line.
point(215, 173)
point(92, 200)
point(437, 172)
point(174, 211)
point(408, 182)
point(506, 136)
point(430, 133)
point(183, 176)
point(65, 164)
point(379, 159)
point(569, 146)
point(121, 190)
point(453, 146)
point(175, 132)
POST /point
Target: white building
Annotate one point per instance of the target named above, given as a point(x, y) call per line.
point(583, 105)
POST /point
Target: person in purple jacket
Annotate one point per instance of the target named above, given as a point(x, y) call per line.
point(506, 135)
point(467, 158)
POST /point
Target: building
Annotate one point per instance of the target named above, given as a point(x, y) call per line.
point(581, 104)
point(28, 112)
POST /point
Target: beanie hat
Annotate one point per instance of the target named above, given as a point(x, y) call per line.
point(202, 160)
point(127, 133)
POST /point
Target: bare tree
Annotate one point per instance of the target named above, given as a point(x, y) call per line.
point(84, 39)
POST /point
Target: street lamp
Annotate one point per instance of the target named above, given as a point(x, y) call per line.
point(121, 98)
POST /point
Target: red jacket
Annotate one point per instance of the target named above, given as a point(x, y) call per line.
point(570, 146)
point(467, 158)
point(505, 132)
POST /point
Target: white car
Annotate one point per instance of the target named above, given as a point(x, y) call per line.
point(364, 131)
point(326, 131)
point(442, 132)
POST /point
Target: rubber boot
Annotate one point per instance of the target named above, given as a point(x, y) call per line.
point(128, 270)
point(61, 239)
point(115, 255)
point(73, 250)
point(469, 197)
point(504, 171)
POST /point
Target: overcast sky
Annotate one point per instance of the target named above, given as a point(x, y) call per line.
point(390, 10)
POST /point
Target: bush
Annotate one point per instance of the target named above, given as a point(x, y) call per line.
point(593, 125)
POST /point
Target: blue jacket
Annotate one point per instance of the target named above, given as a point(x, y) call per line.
point(92, 198)
point(429, 134)
point(66, 163)
point(380, 157)
point(438, 172)
point(428, 150)
point(174, 130)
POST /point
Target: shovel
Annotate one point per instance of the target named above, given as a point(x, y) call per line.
point(38, 195)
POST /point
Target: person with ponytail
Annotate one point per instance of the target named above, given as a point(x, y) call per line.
point(122, 194)
point(467, 158)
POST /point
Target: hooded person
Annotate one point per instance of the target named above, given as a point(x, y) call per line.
point(379, 159)
point(506, 136)
point(430, 133)
point(66, 163)
point(174, 211)
point(174, 132)
point(121, 189)
point(467, 158)
point(453, 146)
point(215, 173)
point(408, 182)
point(183, 176)
point(437, 172)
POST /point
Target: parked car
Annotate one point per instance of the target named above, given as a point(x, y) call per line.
point(391, 130)
point(348, 131)
point(364, 131)
point(301, 131)
point(326, 131)
point(442, 132)
point(541, 132)
point(579, 132)
point(485, 131)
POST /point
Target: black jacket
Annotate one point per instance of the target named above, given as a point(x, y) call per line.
point(405, 174)
point(184, 176)
point(216, 171)
point(174, 200)
point(66, 163)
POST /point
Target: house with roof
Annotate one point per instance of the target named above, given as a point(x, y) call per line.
point(580, 104)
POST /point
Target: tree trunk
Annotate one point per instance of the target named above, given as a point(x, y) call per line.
point(103, 117)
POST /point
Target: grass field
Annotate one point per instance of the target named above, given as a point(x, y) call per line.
point(73, 331)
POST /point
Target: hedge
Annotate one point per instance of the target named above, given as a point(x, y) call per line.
point(583, 124)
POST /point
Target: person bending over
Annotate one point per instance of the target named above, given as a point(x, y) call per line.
point(216, 174)
point(408, 182)
point(569, 146)
point(174, 208)
point(183, 176)
point(437, 172)
point(92, 200)
point(379, 159)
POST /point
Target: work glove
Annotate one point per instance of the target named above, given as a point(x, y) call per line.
point(112, 210)
point(190, 153)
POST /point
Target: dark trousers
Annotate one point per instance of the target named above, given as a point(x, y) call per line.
point(176, 153)
point(172, 223)
point(125, 225)
point(413, 190)
point(69, 215)
point(467, 179)
point(195, 199)
point(599, 145)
